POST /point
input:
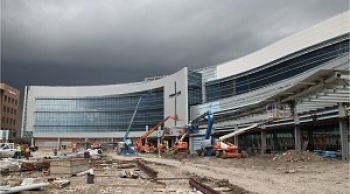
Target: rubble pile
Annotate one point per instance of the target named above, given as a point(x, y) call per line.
point(295, 156)
point(179, 156)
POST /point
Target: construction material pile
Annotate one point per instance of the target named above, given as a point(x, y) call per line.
point(178, 156)
point(295, 156)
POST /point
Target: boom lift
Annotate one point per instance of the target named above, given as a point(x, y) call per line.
point(126, 147)
point(228, 150)
point(182, 146)
point(274, 111)
point(207, 143)
point(146, 148)
point(163, 146)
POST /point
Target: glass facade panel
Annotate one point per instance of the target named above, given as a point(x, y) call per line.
point(236, 84)
point(194, 88)
point(98, 114)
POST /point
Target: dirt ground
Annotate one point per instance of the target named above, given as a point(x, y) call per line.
point(287, 173)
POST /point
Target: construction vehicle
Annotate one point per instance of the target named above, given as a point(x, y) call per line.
point(163, 146)
point(182, 146)
point(274, 111)
point(228, 150)
point(148, 147)
point(126, 147)
point(207, 143)
point(7, 150)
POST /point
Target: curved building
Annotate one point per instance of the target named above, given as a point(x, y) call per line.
point(236, 92)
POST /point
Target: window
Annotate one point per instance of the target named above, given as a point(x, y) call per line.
point(7, 120)
point(11, 110)
point(14, 121)
point(5, 98)
point(7, 109)
point(9, 99)
point(3, 119)
point(13, 100)
point(10, 120)
point(14, 111)
point(4, 109)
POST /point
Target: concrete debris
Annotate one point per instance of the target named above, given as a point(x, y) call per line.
point(129, 174)
point(295, 156)
point(59, 183)
point(90, 171)
point(28, 181)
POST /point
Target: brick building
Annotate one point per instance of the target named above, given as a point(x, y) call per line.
point(9, 112)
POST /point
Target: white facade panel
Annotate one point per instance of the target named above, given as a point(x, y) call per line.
point(167, 83)
point(331, 28)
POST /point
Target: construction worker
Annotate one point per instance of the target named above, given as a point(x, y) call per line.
point(26, 153)
point(18, 151)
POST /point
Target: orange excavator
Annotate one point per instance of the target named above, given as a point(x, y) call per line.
point(147, 148)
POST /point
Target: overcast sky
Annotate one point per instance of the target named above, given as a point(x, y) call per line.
point(85, 42)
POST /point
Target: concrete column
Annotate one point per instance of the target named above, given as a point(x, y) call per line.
point(344, 133)
point(263, 141)
point(235, 138)
point(32, 141)
point(190, 142)
point(146, 141)
point(58, 143)
point(297, 135)
point(7, 135)
point(158, 138)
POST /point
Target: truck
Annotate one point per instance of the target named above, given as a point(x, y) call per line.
point(7, 150)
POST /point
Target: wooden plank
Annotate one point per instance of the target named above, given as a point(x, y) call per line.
point(222, 189)
point(125, 185)
point(164, 190)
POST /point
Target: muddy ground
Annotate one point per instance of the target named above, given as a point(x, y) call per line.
point(286, 173)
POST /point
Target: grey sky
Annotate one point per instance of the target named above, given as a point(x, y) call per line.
point(66, 42)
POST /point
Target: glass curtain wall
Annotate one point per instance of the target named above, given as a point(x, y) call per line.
point(239, 84)
point(322, 137)
point(98, 114)
point(194, 88)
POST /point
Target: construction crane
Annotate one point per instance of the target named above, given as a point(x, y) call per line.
point(182, 146)
point(126, 147)
point(146, 148)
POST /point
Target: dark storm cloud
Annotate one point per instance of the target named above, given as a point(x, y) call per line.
point(65, 42)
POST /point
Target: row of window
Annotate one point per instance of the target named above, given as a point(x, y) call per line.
point(99, 114)
point(8, 120)
point(234, 85)
point(10, 100)
point(9, 110)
